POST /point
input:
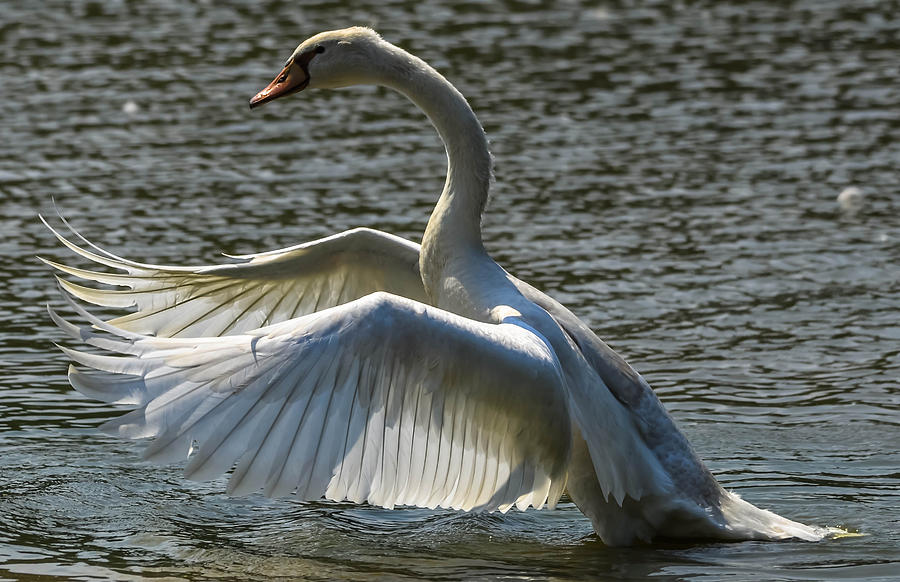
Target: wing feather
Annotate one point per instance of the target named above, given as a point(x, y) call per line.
point(350, 403)
point(332, 439)
point(264, 289)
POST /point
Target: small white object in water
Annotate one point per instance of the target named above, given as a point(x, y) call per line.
point(131, 107)
point(850, 199)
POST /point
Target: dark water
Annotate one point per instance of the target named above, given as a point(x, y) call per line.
point(668, 171)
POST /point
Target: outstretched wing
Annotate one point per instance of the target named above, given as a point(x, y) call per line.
point(266, 288)
point(383, 399)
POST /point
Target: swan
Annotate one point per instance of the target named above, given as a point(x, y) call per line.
point(368, 368)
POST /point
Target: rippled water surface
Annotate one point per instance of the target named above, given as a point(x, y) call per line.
point(668, 171)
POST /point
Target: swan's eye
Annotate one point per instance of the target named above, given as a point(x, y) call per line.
point(319, 49)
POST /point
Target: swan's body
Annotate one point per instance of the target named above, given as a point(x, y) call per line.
point(365, 367)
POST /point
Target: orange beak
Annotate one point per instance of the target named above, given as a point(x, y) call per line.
point(290, 80)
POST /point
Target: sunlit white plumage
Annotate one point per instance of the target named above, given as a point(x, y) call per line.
point(365, 367)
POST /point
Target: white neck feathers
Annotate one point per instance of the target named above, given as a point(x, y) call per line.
point(455, 224)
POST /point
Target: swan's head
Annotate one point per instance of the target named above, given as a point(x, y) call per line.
point(337, 58)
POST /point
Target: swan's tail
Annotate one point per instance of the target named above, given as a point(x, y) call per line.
point(745, 521)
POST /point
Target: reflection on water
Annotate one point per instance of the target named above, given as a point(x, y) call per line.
point(669, 172)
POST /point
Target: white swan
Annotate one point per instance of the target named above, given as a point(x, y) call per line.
point(364, 367)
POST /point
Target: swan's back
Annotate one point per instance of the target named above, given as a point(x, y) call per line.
point(693, 505)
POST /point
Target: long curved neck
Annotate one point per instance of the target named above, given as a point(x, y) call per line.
point(455, 223)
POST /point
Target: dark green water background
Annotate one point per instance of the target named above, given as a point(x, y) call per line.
point(667, 170)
